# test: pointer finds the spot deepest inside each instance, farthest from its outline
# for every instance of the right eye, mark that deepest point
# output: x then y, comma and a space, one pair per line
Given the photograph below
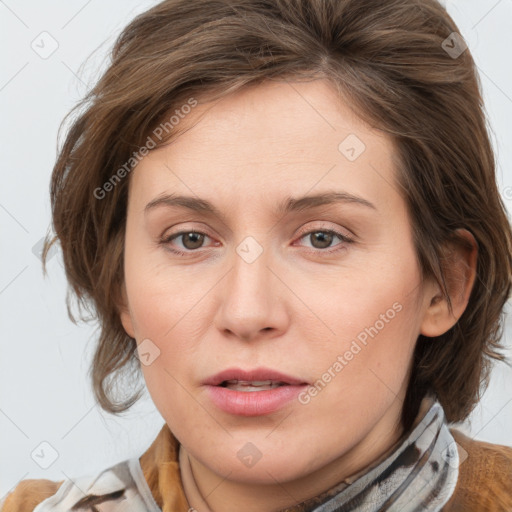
191, 240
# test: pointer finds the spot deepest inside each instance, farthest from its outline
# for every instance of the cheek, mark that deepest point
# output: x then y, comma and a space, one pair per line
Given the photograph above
166, 312
159, 295
374, 320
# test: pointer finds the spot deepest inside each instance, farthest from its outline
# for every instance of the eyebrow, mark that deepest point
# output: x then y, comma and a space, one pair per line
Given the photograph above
288, 205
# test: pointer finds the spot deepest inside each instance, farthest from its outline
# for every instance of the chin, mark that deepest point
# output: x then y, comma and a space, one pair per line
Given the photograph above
244, 462
263, 472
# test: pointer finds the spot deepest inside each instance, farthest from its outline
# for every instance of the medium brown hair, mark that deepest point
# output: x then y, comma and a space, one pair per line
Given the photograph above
388, 60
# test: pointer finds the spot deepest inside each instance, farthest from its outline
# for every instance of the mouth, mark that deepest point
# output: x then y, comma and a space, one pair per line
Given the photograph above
256, 379
252, 392
250, 386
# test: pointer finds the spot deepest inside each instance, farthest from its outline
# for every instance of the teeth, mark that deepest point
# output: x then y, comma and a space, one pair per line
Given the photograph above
257, 385
252, 383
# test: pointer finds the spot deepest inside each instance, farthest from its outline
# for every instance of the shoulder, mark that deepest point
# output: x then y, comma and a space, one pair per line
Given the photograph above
121, 483
485, 476
28, 494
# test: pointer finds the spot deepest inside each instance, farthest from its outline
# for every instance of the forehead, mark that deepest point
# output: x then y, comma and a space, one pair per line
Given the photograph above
268, 139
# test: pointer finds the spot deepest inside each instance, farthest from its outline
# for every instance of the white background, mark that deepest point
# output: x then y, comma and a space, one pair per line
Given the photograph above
45, 393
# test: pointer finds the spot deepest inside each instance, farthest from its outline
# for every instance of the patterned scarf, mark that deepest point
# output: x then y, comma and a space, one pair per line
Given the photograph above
420, 475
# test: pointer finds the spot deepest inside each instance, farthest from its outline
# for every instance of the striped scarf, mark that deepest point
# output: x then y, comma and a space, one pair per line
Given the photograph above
420, 475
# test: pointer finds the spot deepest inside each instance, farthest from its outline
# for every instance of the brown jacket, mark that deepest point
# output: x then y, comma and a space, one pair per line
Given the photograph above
484, 483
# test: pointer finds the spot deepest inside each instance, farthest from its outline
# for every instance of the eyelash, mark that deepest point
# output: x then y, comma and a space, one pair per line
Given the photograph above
344, 239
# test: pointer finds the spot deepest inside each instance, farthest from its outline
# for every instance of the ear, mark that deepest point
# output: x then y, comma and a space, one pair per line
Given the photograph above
124, 313
459, 268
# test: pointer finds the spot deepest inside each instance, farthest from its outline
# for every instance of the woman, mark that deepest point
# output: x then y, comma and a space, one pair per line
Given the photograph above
285, 213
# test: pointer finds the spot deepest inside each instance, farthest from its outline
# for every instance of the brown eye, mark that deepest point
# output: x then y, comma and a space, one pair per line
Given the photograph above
321, 239
192, 240
324, 240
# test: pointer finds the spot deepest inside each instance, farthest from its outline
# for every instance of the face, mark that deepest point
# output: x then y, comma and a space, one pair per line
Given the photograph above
292, 258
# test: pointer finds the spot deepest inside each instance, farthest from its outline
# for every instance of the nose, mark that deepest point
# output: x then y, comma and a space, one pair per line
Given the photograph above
252, 298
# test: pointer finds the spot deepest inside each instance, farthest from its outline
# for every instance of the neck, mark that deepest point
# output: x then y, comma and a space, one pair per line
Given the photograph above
208, 491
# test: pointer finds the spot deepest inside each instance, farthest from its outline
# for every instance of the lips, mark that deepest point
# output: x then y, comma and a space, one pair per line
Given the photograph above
252, 392
254, 376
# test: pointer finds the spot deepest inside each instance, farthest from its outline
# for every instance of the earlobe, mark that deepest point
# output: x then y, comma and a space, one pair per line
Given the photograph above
459, 268
127, 323
125, 315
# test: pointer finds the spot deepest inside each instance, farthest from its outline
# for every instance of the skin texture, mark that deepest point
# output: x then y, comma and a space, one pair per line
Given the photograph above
296, 308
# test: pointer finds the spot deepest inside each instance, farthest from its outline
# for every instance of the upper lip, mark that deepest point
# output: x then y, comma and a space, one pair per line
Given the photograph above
256, 374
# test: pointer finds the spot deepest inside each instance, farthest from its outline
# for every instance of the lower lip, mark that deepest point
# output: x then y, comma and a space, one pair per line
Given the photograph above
253, 403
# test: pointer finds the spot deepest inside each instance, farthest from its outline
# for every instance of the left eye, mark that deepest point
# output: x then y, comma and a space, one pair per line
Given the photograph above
324, 238
320, 239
